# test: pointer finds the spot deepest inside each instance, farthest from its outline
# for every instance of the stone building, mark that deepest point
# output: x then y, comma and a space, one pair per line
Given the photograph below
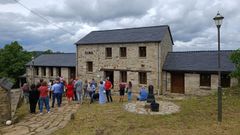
132, 54
5, 100
189, 72
50, 66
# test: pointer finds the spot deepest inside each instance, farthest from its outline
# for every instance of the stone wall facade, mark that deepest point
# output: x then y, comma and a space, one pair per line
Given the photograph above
192, 83
5, 113
132, 63
67, 73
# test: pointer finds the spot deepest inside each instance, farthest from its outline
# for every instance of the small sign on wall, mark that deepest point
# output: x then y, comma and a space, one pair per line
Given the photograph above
88, 52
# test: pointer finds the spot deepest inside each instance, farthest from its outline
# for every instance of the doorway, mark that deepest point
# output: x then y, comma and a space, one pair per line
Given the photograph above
110, 75
177, 83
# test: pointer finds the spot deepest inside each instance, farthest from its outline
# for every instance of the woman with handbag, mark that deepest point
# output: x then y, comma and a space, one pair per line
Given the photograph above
129, 91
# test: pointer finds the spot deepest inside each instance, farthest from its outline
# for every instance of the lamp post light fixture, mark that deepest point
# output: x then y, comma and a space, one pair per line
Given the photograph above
33, 70
218, 21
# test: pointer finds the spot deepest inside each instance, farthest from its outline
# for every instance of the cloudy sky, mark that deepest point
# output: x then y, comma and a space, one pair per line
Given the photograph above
60, 23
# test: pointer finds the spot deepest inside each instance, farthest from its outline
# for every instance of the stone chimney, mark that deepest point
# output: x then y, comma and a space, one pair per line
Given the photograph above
5, 100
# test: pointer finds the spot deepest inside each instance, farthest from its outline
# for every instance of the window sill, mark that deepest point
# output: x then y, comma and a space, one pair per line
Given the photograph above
142, 57
89, 72
123, 57
205, 87
143, 83
108, 57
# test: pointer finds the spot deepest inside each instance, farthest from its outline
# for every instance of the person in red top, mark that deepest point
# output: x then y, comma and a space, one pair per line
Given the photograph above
108, 86
43, 89
70, 92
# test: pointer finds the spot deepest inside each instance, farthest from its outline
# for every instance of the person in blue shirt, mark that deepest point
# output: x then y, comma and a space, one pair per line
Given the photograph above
142, 94
57, 90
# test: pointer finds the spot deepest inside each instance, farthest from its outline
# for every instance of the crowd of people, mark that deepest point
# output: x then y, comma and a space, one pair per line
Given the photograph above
41, 93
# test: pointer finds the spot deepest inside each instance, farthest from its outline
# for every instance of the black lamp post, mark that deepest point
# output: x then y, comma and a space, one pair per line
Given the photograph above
218, 21
33, 70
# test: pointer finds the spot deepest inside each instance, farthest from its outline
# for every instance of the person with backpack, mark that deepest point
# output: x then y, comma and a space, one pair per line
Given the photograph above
92, 92
25, 90
79, 90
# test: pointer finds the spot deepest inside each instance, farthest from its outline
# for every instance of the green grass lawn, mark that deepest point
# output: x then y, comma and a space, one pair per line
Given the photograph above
198, 116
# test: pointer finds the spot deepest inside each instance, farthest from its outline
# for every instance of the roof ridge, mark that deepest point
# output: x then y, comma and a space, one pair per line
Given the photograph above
202, 51
130, 28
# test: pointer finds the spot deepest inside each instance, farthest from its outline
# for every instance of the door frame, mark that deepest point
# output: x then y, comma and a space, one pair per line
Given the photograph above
178, 74
111, 76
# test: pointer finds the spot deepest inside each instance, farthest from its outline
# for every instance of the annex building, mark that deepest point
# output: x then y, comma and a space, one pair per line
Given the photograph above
51, 66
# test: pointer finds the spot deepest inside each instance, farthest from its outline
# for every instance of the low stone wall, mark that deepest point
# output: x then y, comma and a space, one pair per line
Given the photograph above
5, 106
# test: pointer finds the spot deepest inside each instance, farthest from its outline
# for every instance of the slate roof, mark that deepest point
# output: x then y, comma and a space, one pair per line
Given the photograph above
198, 61
55, 60
128, 35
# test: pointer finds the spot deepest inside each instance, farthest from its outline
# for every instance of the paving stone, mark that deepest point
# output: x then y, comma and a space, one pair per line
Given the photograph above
45, 123
165, 107
18, 130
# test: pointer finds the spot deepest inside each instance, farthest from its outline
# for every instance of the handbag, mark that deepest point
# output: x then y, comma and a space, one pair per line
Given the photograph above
126, 90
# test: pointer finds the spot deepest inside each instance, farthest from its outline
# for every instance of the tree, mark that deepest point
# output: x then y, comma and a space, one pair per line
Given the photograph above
13, 59
48, 51
235, 58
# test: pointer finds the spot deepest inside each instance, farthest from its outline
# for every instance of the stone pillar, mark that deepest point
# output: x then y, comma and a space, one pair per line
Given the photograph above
214, 81
47, 72
65, 74
116, 75
5, 100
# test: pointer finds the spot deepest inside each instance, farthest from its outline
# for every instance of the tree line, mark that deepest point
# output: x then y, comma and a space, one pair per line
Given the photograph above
13, 58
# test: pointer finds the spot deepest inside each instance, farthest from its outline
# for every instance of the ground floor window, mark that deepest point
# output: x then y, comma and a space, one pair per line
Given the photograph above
50, 71
36, 71
58, 71
225, 80
44, 71
205, 80
123, 76
142, 77
72, 73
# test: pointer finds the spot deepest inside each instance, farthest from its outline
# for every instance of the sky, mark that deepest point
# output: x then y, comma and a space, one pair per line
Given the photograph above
61, 23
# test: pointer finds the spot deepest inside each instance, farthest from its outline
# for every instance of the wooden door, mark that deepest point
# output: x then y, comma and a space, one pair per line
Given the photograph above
177, 83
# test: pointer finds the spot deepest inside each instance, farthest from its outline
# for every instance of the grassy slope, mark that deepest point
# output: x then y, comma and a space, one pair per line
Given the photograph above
198, 116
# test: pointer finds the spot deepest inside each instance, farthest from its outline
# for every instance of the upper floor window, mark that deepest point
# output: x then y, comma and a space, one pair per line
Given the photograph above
108, 52
89, 66
142, 52
142, 77
123, 52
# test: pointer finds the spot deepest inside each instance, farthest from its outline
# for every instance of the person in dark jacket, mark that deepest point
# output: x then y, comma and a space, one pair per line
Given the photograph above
33, 98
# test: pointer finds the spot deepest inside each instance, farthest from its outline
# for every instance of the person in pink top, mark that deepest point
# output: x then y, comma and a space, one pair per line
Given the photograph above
43, 89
